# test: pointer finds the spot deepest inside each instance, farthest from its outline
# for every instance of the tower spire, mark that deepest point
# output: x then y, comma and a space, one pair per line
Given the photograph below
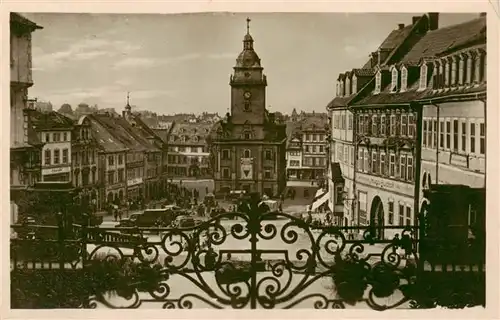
128, 100
248, 25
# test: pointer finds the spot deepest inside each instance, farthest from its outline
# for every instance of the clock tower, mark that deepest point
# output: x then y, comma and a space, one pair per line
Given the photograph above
248, 86
247, 148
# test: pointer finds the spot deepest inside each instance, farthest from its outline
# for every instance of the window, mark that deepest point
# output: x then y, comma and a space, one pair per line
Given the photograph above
65, 156
469, 70
339, 194
346, 154
434, 134
455, 135
47, 137
354, 84
308, 136
401, 214
411, 125
225, 173
382, 125
121, 175
226, 155
382, 164
477, 68
402, 168
57, 156
429, 133
392, 165
448, 134
335, 123
347, 87
111, 160
361, 125
461, 70
366, 164
47, 157
482, 138
247, 135
57, 137
378, 82
247, 153
447, 73
404, 125
440, 76
391, 212
404, 78
361, 163
394, 80
344, 122
374, 162
423, 77
367, 124
267, 173
408, 216
120, 159
307, 149
473, 138
350, 122
441, 134
464, 136
393, 125
321, 149
111, 177
453, 72
362, 205
409, 167
374, 125
351, 156
424, 134
268, 155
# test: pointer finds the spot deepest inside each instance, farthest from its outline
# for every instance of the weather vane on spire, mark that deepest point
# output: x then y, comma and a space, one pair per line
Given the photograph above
248, 25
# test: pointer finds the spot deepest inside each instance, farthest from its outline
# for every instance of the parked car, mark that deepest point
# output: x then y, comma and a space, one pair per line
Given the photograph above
150, 218
186, 222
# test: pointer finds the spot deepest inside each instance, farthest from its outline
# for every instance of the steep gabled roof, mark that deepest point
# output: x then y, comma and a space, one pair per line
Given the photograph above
200, 130
114, 127
439, 40
49, 120
104, 138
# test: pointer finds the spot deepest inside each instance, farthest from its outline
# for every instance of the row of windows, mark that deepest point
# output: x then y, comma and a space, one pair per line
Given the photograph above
133, 157
226, 154
345, 154
397, 166
387, 125
56, 158
188, 149
315, 161
347, 87
294, 163
57, 136
343, 122
458, 135
111, 160
135, 173
185, 138
180, 159
404, 211
314, 149
314, 137
116, 176
294, 153
85, 178
84, 157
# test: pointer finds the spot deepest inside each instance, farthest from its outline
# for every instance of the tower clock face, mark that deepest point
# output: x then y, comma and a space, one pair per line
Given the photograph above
247, 95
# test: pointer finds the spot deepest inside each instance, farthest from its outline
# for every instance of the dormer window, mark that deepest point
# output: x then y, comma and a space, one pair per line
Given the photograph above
404, 78
341, 88
195, 138
378, 82
440, 76
477, 68
453, 71
469, 69
337, 88
447, 73
423, 77
394, 80
347, 87
354, 84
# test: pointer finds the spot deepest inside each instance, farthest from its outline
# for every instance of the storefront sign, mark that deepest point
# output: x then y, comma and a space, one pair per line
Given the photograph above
246, 169
56, 170
134, 181
386, 184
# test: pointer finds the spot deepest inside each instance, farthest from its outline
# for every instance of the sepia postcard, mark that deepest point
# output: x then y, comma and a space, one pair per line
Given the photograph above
338, 159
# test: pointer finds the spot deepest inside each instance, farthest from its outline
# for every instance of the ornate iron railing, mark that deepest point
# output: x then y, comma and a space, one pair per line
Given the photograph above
235, 260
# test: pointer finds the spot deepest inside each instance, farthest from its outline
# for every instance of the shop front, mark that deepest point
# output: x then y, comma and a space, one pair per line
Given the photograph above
384, 202
61, 174
135, 189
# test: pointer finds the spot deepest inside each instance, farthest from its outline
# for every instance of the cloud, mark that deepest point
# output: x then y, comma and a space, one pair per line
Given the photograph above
134, 62
83, 50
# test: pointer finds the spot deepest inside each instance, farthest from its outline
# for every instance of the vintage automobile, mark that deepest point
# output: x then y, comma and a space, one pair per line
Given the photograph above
185, 222
150, 218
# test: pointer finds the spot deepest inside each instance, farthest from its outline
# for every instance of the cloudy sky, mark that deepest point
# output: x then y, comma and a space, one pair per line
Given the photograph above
182, 63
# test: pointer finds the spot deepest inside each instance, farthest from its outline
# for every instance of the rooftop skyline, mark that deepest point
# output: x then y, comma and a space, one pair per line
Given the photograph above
182, 62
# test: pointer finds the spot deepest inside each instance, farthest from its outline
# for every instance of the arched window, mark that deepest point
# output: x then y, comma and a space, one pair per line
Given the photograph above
423, 77
247, 153
404, 78
394, 81
424, 180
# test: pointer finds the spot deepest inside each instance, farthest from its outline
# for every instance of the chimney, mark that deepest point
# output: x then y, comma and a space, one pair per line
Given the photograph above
433, 20
415, 19
401, 26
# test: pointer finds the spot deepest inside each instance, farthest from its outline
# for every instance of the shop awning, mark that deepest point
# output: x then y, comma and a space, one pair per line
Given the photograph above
337, 173
321, 200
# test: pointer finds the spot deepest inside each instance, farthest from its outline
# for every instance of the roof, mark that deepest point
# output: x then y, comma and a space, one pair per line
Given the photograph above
364, 72
115, 127
189, 131
318, 122
104, 138
439, 40
19, 19
162, 134
395, 38
49, 120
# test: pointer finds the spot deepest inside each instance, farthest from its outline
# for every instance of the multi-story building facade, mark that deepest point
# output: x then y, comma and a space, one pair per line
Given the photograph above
248, 146
411, 90
112, 166
84, 162
189, 155
25, 145
54, 130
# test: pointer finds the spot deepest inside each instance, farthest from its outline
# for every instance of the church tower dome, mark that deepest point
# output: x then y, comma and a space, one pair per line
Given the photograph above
248, 58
